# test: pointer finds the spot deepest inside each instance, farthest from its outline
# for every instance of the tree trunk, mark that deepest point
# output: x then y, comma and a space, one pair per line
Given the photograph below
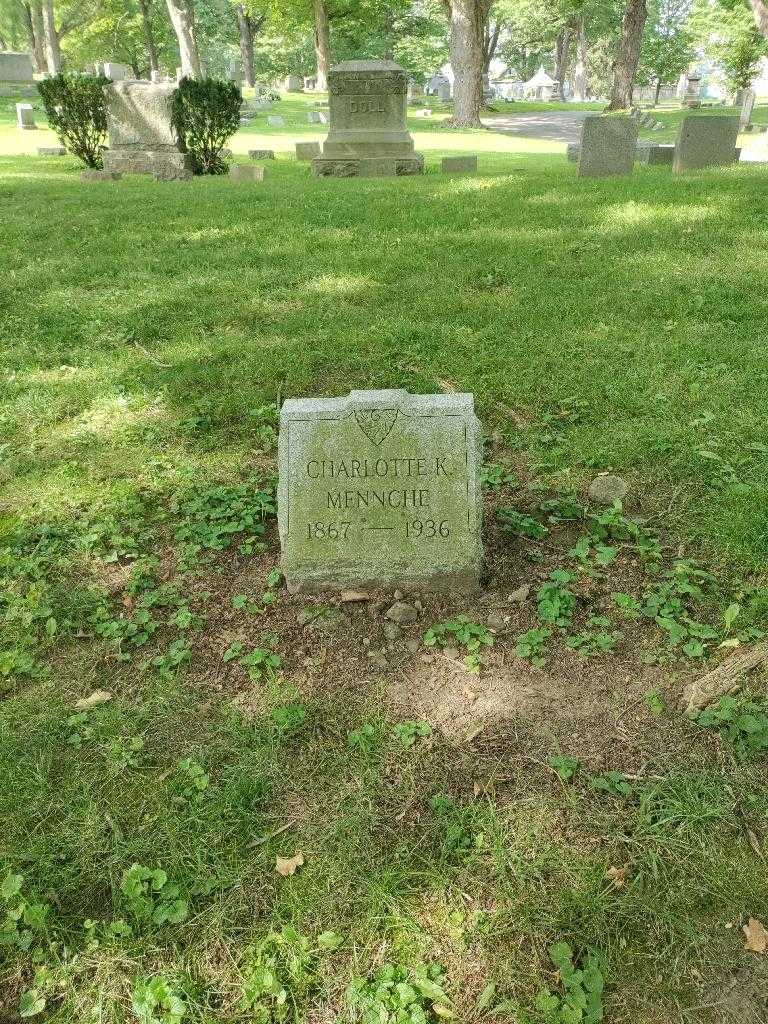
657, 93
322, 44
580, 69
467, 22
760, 11
149, 37
182, 17
628, 55
490, 43
52, 49
33, 26
562, 53
245, 27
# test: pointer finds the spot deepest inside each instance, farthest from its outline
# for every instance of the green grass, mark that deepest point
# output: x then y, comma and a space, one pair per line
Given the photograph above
147, 329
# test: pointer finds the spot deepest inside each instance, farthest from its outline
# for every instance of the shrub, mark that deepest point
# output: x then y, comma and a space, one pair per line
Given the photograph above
76, 108
205, 114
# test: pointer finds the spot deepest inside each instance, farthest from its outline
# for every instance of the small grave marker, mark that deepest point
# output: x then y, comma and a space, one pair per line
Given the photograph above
380, 489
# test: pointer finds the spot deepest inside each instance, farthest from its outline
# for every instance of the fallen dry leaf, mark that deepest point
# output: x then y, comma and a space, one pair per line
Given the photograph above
617, 876
756, 936
287, 866
96, 698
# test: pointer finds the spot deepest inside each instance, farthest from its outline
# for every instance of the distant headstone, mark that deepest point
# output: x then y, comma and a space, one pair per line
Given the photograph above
705, 141
607, 146
307, 150
459, 164
235, 71
380, 489
25, 116
691, 95
117, 72
313, 117
323, 117
261, 154
246, 172
156, 76
310, 83
16, 67
142, 138
92, 174
367, 122
276, 121
444, 91
51, 151
424, 112
747, 106
294, 83
654, 153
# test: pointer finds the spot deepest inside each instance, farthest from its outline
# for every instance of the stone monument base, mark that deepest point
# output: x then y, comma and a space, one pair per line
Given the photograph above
367, 167
165, 165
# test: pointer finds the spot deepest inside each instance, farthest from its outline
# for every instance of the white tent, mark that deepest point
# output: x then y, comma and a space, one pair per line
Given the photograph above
541, 85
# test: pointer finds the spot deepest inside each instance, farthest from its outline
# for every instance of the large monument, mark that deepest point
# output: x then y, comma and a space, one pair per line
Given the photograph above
142, 139
368, 135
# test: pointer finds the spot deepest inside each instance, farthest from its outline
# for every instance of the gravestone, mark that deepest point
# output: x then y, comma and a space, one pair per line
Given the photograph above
705, 141
367, 122
276, 121
313, 117
25, 116
51, 151
607, 146
117, 72
654, 153
380, 489
458, 164
444, 91
307, 150
261, 154
747, 106
691, 97
93, 174
424, 112
294, 83
16, 67
142, 139
246, 172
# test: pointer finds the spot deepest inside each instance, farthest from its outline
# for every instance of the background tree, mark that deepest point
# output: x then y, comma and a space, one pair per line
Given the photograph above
250, 22
668, 45
726, 31
182, 15
627, 55
467, 20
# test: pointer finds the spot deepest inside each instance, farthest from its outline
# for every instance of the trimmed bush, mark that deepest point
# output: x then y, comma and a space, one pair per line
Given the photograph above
76, 108
205, 114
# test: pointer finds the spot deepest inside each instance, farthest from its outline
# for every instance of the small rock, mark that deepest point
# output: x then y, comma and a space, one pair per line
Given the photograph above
392, 631
398, 595
96, 698
520, 595
412, 646
402, 613
350, 596
366, 641
451, 652
607, 488
378, 660
305, 615
496, 620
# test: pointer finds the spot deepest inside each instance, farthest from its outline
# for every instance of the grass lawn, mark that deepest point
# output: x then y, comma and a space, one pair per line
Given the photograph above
455, 828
